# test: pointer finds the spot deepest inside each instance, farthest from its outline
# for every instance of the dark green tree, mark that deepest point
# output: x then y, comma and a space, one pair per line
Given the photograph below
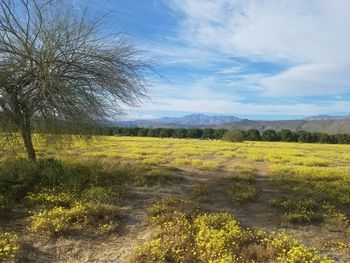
166, 133
194, 133
325, 138
253, 135
287, 136
152, 133
180, 133
219, 133
304, 136
143, 132
208, 134
234, 136
342, 138
269, 136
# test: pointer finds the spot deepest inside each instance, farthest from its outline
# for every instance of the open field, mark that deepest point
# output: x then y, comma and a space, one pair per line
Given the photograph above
133, 199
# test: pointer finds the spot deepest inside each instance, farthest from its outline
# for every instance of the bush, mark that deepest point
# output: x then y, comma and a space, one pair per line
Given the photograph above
162, 210
216, 237
201, 193
102, 215
299, 211
54, 221
51, 198
219, 238
61, 220
241, 192
9, 247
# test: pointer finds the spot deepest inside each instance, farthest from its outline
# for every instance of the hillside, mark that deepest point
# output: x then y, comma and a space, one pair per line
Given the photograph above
327, 117
328, 126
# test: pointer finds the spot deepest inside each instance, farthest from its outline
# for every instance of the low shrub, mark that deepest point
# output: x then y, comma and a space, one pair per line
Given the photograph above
50, 198
337, 244
10, 247
216, 237
334, 220
219, 238
161, 210
102, 215
100, 195
241, 192
201, 193
299, 211
241, 189
60, 220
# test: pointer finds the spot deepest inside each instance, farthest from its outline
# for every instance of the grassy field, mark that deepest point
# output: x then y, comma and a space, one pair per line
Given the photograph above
133, 199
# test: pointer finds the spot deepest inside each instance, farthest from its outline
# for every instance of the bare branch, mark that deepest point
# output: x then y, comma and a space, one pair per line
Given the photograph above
62, 68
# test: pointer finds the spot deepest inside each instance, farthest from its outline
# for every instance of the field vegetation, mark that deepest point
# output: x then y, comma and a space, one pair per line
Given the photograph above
196, 200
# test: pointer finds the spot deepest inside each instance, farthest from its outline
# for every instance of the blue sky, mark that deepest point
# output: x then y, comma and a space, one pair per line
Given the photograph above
257, 59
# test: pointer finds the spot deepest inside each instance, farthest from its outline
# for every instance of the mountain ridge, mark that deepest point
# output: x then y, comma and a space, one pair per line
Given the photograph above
319, 123
190, 120
327, 117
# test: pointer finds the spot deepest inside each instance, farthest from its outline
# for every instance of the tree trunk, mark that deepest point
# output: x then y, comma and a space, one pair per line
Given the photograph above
22, 119
26, 133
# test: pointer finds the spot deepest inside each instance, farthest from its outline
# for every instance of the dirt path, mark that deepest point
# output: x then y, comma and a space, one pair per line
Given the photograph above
258, 213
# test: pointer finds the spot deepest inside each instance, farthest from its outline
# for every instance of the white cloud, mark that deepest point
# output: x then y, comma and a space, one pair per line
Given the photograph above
310, 35
204, 96
309, 80
220, 106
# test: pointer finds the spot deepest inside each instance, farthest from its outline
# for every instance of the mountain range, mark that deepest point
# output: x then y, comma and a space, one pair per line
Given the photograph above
319, 123
192, 120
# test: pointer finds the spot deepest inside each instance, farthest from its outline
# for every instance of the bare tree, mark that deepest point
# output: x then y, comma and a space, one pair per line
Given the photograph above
56, 66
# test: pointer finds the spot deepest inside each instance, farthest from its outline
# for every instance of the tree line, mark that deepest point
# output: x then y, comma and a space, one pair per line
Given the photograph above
269, 135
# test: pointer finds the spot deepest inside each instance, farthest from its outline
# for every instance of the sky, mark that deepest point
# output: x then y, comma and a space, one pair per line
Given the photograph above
256, 59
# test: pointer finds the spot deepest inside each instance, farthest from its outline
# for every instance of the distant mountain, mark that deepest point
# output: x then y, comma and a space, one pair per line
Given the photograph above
327, 117
321, 123
192, 120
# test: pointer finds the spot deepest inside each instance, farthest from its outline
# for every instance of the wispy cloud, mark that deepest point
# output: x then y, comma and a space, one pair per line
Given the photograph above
221, 106
309, 35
